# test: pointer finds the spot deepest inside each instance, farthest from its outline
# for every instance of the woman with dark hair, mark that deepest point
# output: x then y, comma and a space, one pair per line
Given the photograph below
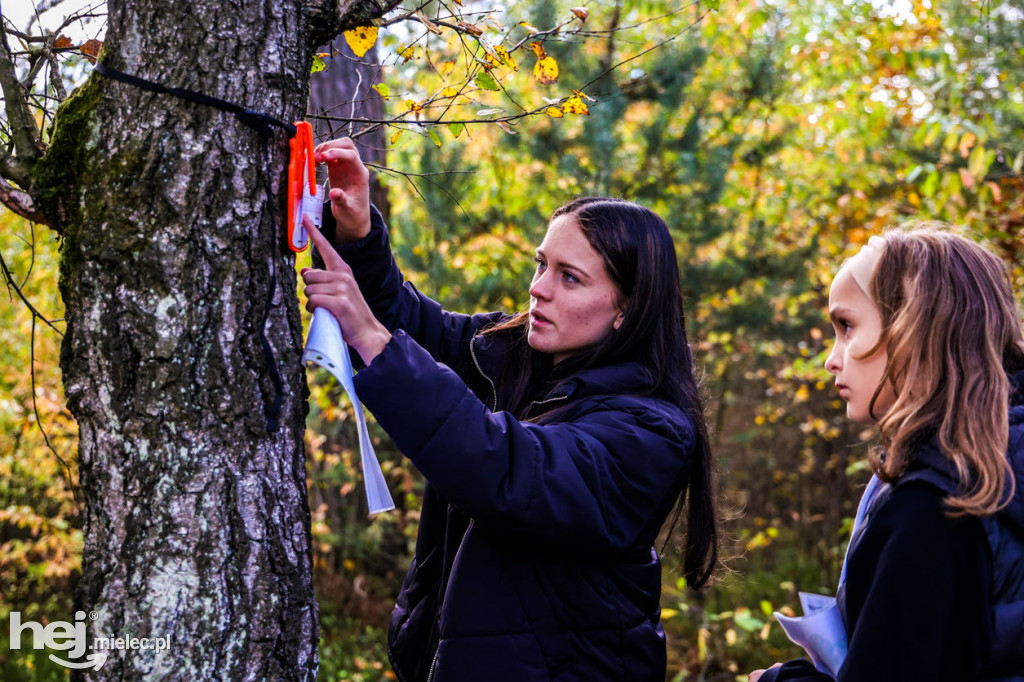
555, 444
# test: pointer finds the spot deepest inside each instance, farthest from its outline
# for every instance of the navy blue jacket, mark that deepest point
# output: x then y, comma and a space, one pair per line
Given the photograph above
534, 559
931, 597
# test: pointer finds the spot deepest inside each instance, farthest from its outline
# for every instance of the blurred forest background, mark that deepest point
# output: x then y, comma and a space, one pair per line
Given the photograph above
774, 136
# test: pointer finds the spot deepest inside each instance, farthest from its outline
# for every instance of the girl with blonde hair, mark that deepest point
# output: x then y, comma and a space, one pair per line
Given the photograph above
929, 348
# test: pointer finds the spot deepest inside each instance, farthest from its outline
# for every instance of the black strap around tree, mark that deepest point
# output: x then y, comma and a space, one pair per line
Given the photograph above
263, 123
259, 121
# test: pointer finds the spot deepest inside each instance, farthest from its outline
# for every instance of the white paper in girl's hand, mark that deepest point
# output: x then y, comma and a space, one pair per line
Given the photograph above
325, 346
820, 631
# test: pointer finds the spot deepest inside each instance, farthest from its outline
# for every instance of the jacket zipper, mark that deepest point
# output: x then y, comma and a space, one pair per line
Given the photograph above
494, 388
549, 400
433, 663
494, 408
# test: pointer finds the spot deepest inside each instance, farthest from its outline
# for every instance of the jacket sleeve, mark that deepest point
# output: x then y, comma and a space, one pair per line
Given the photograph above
398, 304
917, 596
592, 485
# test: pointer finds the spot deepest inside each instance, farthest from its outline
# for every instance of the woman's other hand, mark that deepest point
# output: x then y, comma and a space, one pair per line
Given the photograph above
336, 290
350, 188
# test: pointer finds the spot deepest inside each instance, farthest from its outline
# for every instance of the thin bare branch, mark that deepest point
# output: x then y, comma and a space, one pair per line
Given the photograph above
24, 132
656, 46
385, 169
11, 284
32, 250
426, 176
18, 200
55, 80
24, 37
69, 480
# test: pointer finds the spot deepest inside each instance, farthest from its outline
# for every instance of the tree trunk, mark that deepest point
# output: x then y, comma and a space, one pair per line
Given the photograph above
197, 525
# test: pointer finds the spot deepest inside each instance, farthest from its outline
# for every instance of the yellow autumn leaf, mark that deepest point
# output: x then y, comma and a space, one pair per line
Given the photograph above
506, 57
446, 68
450, 92
529, 27
581, 94
398, 134
546, 71
575, 105
538, 49
966, 142
361, 39
553, 112
412, 105
407, 53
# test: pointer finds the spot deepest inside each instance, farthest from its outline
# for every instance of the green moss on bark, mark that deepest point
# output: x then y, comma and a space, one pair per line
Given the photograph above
55, 175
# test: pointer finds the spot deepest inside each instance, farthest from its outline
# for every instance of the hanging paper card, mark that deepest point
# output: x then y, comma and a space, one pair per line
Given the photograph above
820, 631
325, 346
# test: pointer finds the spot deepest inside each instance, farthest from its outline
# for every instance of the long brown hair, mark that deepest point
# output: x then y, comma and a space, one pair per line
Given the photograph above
638, 253
952, 332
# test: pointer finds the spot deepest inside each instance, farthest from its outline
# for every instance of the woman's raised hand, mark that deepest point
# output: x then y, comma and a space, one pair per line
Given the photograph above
336, 290
350, 189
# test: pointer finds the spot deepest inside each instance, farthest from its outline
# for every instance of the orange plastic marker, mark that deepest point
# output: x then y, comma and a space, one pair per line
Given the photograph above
303, 193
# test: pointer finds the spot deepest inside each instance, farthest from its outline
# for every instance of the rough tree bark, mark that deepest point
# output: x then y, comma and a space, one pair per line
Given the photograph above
196, 517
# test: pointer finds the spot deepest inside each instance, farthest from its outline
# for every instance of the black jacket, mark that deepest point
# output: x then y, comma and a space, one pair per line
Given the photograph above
534, 559
930, 597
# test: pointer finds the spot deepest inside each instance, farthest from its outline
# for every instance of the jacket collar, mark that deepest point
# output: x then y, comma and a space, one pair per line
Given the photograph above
488, 351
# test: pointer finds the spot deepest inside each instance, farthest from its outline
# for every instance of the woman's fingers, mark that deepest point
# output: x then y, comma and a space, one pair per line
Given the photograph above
339, 196
315, 276
337, 155
321, 301
343, 163
339, 143
332, 261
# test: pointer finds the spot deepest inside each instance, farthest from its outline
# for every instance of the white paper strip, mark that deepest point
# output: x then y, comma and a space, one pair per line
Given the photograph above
326, 347
820, 631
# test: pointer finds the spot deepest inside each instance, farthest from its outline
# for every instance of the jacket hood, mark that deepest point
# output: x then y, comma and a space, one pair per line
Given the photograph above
1014, 511
932, 465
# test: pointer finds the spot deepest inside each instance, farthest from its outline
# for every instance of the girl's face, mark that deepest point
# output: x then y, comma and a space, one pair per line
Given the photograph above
574, 304
857, 325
